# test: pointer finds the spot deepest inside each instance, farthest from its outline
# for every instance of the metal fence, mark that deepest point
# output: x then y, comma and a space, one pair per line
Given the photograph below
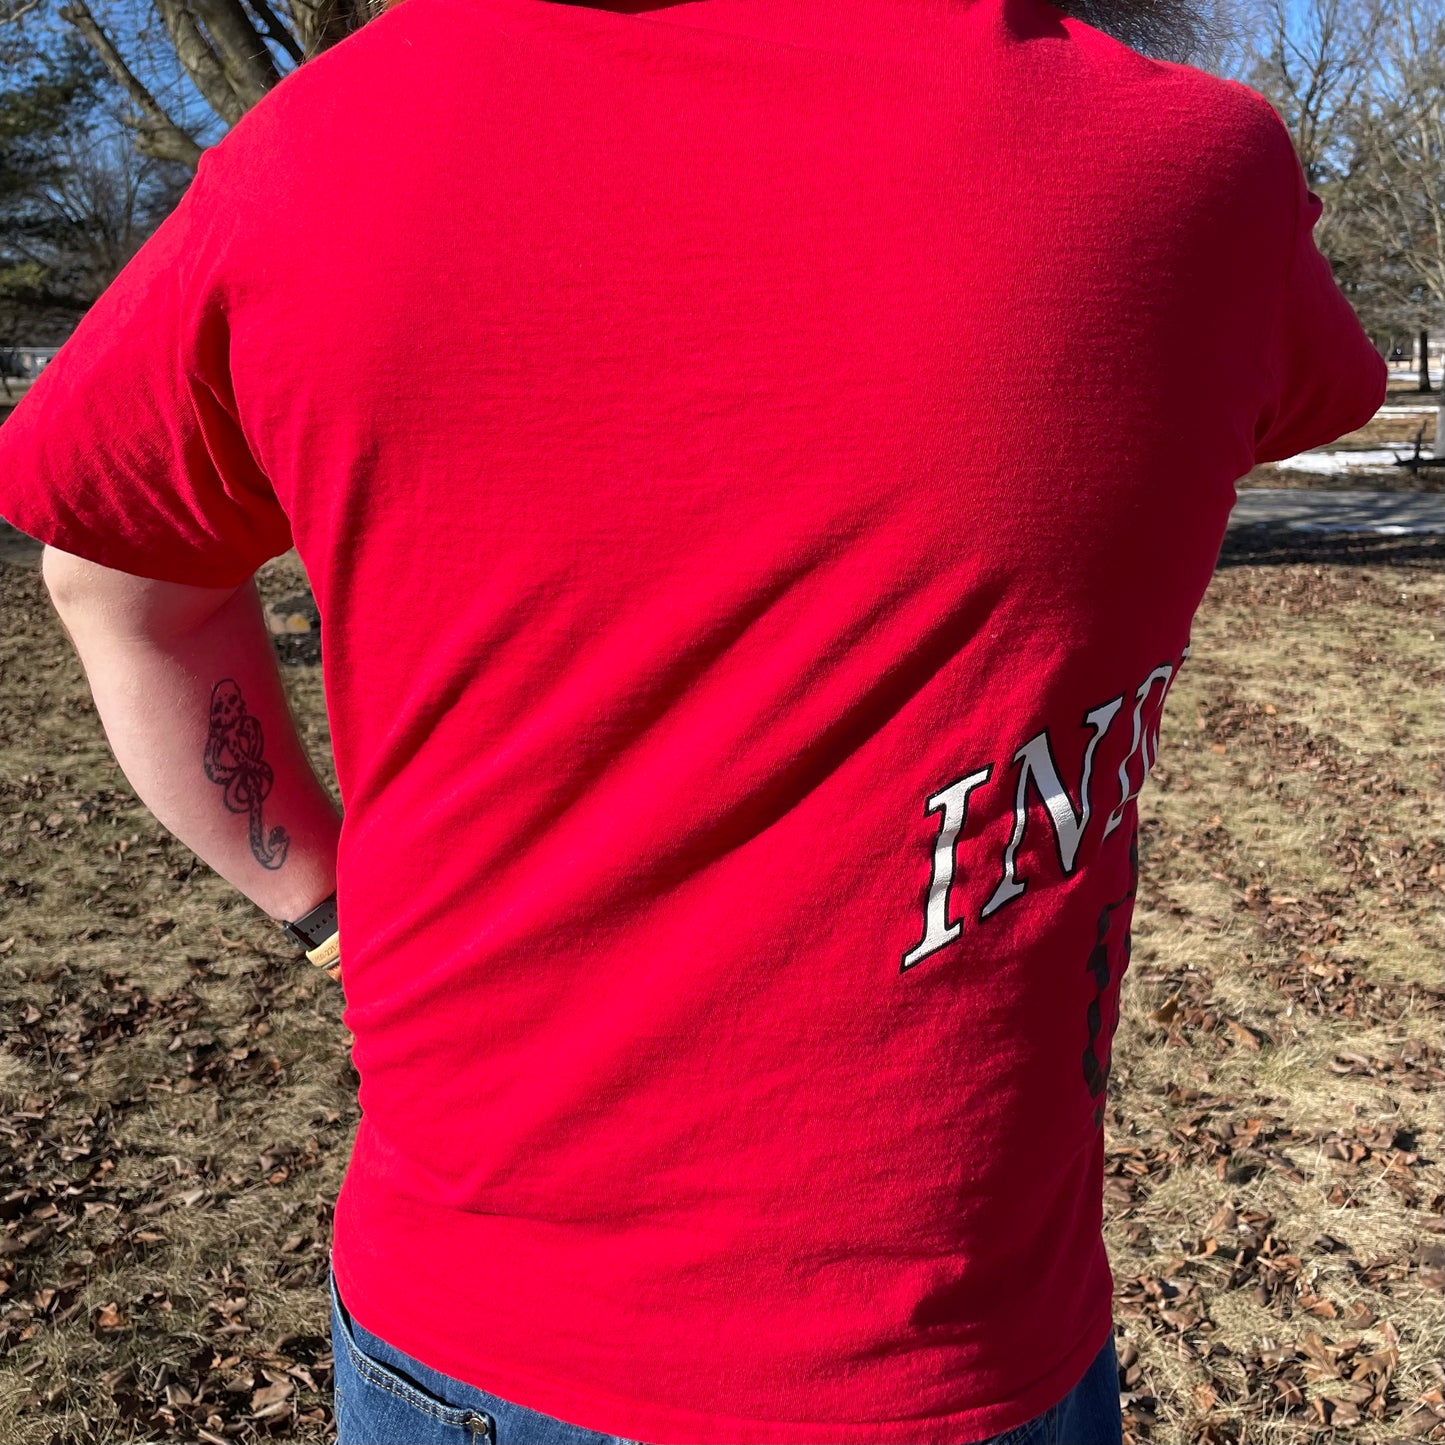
25, 362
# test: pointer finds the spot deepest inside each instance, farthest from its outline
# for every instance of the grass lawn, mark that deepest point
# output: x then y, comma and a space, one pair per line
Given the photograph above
177, 1099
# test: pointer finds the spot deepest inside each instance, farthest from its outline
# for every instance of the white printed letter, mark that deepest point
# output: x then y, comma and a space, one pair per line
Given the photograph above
1140, 742
952, 802
1036, 761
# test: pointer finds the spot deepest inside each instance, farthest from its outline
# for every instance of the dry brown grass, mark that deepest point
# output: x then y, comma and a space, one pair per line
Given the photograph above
1291, 867
176, 1096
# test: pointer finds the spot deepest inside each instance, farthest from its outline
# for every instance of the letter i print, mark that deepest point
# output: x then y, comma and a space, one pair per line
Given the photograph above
952, 802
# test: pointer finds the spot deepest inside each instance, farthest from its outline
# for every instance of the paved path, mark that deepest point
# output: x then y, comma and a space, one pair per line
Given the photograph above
1387, 514
16, 548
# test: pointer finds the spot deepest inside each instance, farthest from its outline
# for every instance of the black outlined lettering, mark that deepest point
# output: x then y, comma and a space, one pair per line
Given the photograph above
1036, 761
952, 802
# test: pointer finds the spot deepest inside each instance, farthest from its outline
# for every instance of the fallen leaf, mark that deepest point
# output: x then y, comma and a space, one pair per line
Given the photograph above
1290, 1394
270, 1394
1167, 1012
1225, 1221
1242, 1035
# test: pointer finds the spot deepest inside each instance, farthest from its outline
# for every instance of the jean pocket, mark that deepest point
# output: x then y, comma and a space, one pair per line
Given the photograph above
399, 1391
1037, 1431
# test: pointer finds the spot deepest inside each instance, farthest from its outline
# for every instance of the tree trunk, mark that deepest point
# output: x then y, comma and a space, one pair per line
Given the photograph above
1440, 426
202, 64
241, 50
320, 24
157, 134
1425, 362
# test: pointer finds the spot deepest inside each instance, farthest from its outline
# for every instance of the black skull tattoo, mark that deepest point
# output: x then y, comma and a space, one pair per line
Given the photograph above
233, 759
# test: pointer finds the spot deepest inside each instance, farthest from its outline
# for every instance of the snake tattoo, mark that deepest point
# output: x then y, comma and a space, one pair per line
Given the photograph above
234, 745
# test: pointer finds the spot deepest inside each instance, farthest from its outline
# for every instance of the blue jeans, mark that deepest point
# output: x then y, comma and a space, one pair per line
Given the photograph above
385, 1397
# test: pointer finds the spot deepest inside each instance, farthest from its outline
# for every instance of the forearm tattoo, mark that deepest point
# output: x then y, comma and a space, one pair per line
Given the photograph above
233, 759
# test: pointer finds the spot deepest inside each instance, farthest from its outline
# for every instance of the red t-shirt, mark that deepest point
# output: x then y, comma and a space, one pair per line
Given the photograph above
757, 461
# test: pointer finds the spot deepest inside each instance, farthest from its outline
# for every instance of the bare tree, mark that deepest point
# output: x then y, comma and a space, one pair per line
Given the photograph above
43, 97
1313, 59
231, 51
1390, 202
1358, 84
105, 201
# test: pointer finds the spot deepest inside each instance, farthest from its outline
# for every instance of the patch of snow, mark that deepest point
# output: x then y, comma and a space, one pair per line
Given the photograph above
1328, 464
1381, 529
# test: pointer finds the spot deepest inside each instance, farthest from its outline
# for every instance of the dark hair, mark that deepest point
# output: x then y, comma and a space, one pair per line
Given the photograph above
1181, 30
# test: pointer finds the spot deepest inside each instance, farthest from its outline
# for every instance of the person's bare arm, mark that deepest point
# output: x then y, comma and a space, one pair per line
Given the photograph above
188, 691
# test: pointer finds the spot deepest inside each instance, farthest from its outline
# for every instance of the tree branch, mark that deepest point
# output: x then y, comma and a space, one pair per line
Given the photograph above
274, 28
243, 54
12, 10
201, 63
156, 133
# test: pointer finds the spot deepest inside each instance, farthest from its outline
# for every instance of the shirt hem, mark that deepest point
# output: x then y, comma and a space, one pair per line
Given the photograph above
665, 1425
182, 566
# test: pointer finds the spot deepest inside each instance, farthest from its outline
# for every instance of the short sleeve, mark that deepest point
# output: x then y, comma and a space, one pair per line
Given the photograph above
1325, 376
128, 449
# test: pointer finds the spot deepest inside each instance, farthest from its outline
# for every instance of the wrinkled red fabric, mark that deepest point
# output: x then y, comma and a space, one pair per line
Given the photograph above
757, 462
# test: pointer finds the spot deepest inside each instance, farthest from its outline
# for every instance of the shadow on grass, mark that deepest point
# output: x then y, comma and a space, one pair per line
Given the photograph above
1266, 544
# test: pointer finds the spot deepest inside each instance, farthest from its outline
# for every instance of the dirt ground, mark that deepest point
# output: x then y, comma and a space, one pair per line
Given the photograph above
177, 1099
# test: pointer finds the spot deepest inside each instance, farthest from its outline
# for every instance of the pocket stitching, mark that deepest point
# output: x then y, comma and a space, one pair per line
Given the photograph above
376, 1373
385, 1378
379, 1375
1028, 1432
